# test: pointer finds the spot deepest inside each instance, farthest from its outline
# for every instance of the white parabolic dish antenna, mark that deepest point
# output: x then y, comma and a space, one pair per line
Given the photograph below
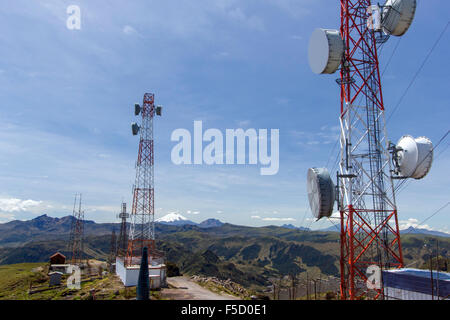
320, 192
325, 51
414, 157
398, 16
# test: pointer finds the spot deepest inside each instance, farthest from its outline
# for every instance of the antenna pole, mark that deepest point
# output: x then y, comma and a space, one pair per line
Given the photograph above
77, 232
369, 225
123, 237
142, 226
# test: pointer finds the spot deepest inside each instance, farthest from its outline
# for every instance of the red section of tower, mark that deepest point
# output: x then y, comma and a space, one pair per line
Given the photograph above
142, 230
369, 225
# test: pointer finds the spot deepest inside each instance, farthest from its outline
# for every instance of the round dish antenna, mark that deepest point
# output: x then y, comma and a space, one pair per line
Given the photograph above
325, 52
135, 128
158, 110
413, 157
137, 109
123, 215
398, 16
320, 192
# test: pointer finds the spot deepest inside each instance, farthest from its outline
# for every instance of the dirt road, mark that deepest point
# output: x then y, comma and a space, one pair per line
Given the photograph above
185, 289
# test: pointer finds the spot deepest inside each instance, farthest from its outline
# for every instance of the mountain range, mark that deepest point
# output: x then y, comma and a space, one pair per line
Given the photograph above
410, 230
179, 220
250, 256
44, 227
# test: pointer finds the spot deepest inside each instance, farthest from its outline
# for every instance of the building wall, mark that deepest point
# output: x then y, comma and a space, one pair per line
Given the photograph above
400, 294
415, 284
130, 276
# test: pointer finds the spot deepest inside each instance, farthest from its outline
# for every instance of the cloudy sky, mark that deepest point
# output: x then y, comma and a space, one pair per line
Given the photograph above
67, 96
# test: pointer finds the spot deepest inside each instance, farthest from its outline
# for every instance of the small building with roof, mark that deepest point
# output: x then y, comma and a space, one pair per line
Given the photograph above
58, 258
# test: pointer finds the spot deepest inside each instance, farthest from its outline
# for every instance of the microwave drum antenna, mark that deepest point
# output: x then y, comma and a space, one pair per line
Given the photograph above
398, 16
320, 192
325, 52
414, 157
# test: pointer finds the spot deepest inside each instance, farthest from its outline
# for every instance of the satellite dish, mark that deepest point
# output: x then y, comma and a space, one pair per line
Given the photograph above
137, 109
325, 52
320, 192
135, 128
158, 110
122, 215
413, 157
398, 16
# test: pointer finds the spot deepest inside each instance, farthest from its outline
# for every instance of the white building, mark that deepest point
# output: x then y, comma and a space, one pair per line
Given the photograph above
416, 284
130, 274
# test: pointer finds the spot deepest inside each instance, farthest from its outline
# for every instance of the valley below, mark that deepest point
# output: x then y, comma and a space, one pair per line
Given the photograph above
256, 258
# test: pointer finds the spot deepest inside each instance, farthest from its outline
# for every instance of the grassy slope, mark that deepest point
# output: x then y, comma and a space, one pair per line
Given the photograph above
15, 283
249, 256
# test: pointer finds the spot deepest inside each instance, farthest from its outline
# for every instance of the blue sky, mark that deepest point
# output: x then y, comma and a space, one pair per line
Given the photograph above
67, 96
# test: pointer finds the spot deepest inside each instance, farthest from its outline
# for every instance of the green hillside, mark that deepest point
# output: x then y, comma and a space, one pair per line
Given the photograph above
248, 256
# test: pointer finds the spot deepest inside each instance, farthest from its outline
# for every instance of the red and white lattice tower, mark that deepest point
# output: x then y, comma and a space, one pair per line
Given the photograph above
369, 225
142, 228
370, 237
77, 233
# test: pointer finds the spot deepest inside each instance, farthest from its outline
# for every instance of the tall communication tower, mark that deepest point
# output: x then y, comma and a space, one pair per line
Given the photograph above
142, 227
123, 237
77, 232
369, 163
112, 249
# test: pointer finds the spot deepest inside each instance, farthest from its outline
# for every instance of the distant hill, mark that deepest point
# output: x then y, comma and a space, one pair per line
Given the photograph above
412, 230
332, 229
248, 255
210, 223
44, 228
291, 226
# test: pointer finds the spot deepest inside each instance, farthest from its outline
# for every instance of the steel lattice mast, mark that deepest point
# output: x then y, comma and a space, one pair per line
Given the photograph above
112, 248
123, 237
77, 232
369, 225
142, 228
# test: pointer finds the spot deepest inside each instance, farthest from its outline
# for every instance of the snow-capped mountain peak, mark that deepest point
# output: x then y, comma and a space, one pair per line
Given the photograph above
172, 217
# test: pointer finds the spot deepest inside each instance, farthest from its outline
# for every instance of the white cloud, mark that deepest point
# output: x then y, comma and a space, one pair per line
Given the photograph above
326, 135
102, 208
129, 30
278, 219
17, 205
297, 9
412, 222
273, 219
252, 22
